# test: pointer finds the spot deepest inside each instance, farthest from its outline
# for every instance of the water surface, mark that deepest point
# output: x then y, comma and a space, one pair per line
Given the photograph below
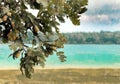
78, 56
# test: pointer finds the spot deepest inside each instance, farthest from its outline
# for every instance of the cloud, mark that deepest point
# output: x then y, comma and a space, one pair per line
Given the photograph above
103, 17
99, 3
88, 18
102, 12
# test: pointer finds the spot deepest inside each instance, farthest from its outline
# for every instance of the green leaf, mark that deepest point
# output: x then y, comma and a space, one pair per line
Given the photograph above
52, 37
23, 5
4, 40
83, 2
34, 42
14, 46
60, 18
60, 53
37, 5
62, 58
75, 21
84, 9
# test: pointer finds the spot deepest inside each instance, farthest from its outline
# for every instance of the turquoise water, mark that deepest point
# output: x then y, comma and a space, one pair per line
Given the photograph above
89, 56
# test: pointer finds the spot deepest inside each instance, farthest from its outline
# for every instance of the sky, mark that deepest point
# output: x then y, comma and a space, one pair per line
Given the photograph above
102, 15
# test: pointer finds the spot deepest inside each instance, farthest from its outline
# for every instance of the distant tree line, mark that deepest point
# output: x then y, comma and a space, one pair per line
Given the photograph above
103, 37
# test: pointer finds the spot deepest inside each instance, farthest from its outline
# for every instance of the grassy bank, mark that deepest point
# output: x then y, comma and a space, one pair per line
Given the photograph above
62, 76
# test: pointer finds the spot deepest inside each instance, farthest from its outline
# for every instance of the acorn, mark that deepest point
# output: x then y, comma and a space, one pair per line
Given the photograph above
54, 48
5, 17
36, 29
13, 24
17, 54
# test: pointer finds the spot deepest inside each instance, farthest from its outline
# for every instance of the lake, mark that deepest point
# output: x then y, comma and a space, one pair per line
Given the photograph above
78, 56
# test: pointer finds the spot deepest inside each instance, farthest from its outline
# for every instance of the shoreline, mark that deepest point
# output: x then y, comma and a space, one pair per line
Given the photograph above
116, 66
59, 68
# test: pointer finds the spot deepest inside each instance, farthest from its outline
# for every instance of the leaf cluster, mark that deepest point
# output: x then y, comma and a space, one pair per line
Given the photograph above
16, 22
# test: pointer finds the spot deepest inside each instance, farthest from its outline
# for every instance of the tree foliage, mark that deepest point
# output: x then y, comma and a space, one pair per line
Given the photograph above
16, 22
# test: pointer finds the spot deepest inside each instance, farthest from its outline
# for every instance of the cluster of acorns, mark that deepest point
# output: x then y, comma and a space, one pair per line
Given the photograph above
7, 31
